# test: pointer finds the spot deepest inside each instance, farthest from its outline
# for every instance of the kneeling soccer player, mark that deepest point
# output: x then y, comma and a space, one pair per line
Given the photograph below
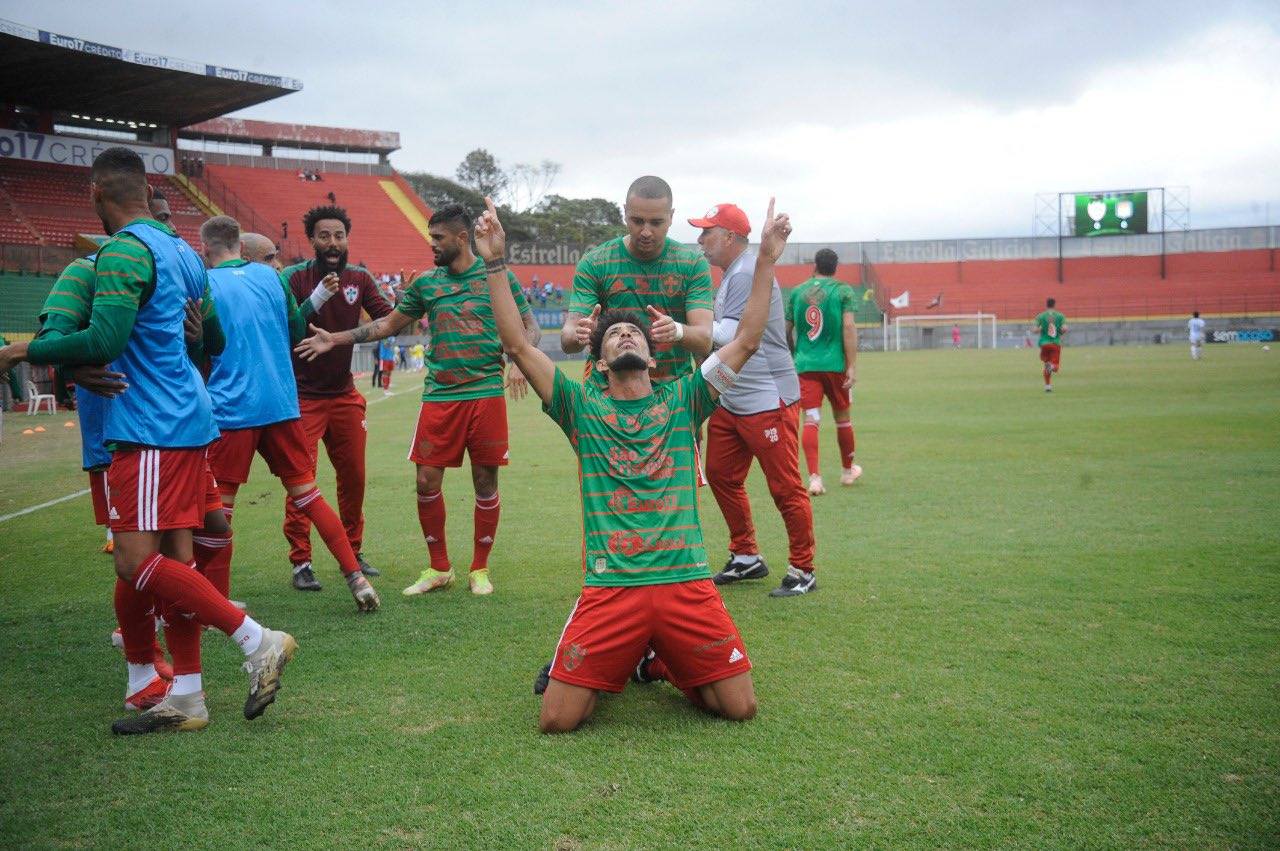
647, 580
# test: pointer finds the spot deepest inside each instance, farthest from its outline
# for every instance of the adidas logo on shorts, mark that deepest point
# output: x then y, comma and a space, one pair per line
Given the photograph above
736, 655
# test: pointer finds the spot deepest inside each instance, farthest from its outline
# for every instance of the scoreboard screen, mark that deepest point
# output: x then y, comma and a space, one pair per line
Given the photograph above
1111, 213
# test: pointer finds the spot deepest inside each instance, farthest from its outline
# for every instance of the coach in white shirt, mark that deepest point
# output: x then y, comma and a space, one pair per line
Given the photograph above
757, 418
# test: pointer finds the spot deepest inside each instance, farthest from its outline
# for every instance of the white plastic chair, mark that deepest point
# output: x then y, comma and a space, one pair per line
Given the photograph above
35, 399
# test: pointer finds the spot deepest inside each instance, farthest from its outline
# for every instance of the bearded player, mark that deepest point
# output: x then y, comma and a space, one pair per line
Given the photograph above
645, 271
647, 581
157, 430
331, 407
251, 387
1052, 326
824, 336
463, 409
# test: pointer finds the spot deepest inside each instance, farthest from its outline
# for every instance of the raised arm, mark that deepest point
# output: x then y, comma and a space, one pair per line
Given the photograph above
491, 245
773, 238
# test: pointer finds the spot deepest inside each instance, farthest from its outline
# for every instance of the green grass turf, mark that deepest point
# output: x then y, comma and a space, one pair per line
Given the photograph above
1043, 621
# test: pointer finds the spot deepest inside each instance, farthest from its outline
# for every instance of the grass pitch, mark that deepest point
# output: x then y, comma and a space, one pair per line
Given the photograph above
1043, 621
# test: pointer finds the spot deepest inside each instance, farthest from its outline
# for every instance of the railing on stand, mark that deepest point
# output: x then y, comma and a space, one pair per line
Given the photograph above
225, 198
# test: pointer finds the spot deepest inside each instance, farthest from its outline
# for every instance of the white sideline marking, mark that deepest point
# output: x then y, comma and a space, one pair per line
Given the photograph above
69, 496
43, 505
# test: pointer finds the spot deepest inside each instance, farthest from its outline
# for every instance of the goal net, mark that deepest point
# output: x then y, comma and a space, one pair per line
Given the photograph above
945, 330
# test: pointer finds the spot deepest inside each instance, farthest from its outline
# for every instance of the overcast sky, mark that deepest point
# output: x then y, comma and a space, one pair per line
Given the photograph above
868, 121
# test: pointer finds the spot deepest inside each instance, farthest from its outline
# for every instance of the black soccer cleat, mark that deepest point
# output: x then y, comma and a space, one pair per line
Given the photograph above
795, 583
304, 579
736, 571
366, 568
543, 679
641, 673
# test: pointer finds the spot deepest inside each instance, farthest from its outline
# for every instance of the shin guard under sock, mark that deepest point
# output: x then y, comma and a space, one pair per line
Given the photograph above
486, 526
330, 527
431, 517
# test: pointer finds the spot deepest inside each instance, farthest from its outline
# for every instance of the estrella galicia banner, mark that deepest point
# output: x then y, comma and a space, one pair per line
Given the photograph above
70, 150
1111, 213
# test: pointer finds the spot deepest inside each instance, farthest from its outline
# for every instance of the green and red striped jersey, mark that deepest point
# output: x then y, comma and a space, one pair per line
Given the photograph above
676, 281
816, 308
465, 359
638, 466
67, 308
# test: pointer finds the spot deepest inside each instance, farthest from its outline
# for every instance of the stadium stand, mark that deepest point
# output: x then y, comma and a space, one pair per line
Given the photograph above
384, 238
48, 204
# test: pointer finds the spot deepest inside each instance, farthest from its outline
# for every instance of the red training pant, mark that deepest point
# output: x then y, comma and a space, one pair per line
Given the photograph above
772, 438
340, 422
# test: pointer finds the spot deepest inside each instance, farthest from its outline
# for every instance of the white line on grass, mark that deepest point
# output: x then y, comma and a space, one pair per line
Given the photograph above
43, 505
35, 508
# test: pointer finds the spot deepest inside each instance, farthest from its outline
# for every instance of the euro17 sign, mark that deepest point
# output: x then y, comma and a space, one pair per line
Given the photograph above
1111, 213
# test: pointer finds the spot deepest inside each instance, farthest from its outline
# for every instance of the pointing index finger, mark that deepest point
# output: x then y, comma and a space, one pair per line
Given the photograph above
768, 217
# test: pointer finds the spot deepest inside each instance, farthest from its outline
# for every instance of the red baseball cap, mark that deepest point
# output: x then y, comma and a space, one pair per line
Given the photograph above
727, 216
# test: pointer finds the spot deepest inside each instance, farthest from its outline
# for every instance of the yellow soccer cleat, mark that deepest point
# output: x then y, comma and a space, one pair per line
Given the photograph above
479, 581
430, 580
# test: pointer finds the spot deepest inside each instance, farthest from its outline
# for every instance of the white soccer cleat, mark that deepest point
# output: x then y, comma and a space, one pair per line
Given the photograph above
816, 488
366, 598
430, 580
851, 475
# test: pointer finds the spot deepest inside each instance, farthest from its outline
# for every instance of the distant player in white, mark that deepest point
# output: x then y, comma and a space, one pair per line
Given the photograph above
1195, 328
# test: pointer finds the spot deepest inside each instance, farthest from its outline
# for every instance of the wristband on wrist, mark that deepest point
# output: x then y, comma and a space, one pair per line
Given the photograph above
492, 266
319, 296
679, 331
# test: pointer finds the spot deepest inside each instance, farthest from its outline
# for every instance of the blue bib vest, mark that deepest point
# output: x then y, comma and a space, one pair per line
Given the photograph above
166, 405
92, 410
252, 380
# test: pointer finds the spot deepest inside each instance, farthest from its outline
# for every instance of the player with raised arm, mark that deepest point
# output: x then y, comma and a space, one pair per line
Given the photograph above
463, 409
823, 334
158, 431
251, 386
646, 578
332, 409
1052, 326
757, 417
642, 270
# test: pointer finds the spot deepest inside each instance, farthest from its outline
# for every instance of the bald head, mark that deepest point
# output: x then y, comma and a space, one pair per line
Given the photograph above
258, 249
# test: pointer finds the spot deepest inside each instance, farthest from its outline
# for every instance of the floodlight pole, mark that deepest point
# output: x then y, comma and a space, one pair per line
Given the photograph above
1163, 225
1059, 237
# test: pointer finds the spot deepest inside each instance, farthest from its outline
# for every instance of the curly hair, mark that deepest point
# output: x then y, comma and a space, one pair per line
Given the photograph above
609, 318
329, 211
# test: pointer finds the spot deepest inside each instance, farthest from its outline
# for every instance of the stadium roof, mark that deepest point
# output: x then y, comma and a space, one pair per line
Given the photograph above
60, 73
294, 135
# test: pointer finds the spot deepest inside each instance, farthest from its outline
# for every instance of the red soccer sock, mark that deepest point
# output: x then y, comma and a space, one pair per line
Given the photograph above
137, 625
213, 558
486, 522
431, 518
182, 636
809, 438
330, 527
844, 434
174, 584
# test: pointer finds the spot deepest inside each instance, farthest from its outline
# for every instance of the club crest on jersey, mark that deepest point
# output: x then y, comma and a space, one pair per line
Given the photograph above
573, 656
351, 292
671, 286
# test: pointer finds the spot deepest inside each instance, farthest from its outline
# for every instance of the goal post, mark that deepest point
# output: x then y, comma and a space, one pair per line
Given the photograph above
979, 321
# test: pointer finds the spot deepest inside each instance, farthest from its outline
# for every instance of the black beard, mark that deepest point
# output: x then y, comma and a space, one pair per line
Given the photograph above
628, 362
322, 260
106, 228
444, 258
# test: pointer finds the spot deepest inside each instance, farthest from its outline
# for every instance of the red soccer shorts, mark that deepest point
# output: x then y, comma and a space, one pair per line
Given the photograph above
212, 496
1051, 353
685, 622
446, 429
815, 385
386, 365
151, 490
282, 445
98, 493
